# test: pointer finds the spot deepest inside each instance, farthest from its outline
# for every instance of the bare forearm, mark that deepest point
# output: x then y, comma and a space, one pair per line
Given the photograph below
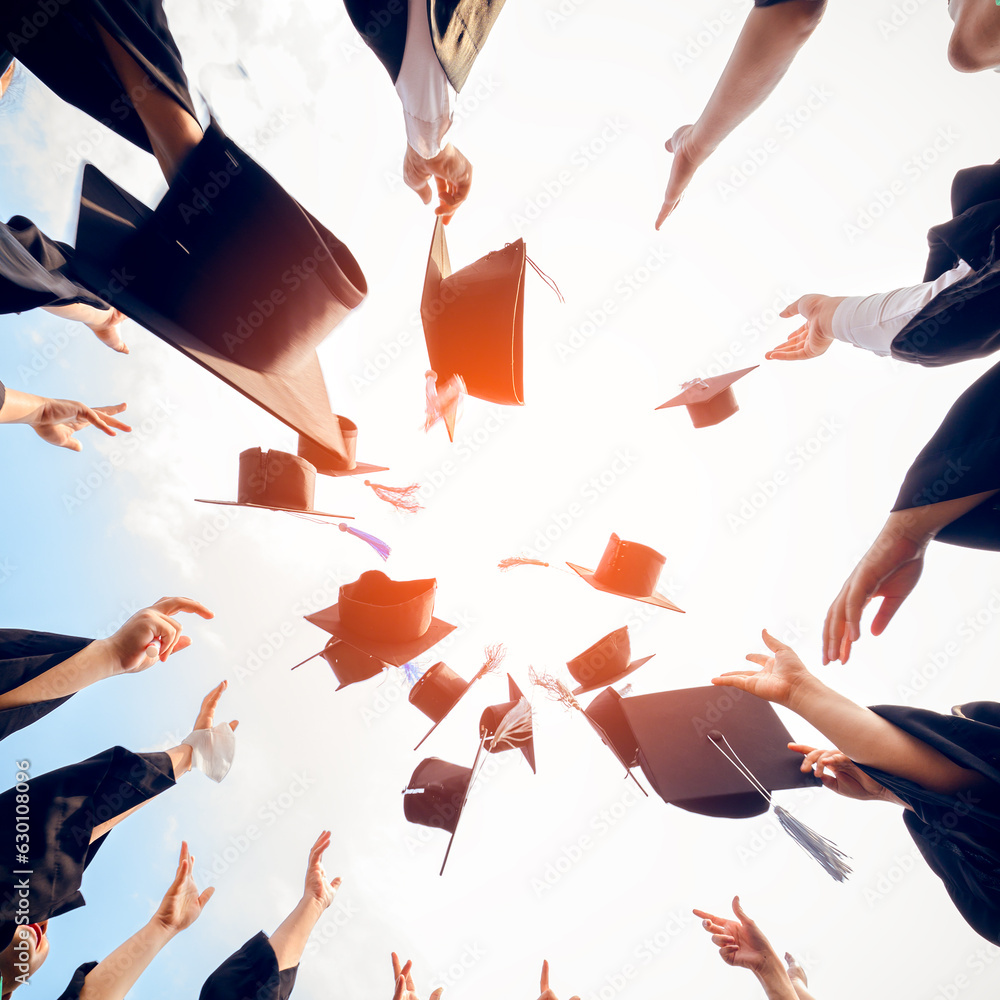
769, 41
774, 981
20, 407
93, 663
869, 739
118, 973
800, 990
81, 313
289, 940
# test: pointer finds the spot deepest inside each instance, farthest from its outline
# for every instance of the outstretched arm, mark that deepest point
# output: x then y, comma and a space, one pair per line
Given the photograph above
770, 40
289, 940
57, 420
857, 731
181, 907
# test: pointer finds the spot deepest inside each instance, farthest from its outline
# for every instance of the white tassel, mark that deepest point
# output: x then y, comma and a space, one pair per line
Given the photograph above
827, 853
514, 729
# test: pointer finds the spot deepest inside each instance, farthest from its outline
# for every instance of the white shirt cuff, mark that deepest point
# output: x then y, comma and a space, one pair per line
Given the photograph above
427, 96
871, 322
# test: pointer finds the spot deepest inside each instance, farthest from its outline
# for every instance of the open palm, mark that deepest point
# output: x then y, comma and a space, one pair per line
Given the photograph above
740, 941
779, 676
182, 904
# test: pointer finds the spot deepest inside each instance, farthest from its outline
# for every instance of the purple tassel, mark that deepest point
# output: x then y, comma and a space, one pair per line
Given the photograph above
412, 673
376, 543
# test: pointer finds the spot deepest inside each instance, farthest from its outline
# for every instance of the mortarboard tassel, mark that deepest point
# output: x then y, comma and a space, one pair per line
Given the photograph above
376, 543
827, 853
514, 729
494, 657
443, 402
401, 497
830, 857
548, 281
512, 561
411, 673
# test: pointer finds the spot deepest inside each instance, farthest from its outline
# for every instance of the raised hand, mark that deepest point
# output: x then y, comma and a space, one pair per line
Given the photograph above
57, 420
812, 338
206, 715
686, 161
741, 943
890, 569
152, 634
840, 774
779, 678
316, 886
405, 990
182, 905
547, 993
108, 331
451, 171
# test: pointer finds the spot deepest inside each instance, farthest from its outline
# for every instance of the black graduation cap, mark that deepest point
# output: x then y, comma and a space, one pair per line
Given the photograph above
692, 742
233, 272
436, 796
606, 715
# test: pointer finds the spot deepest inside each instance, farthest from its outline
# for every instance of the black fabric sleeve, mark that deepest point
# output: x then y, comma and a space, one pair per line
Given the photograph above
25, 655
3, 394
250, 974
962, 458
34, 270
72, 992
382, 24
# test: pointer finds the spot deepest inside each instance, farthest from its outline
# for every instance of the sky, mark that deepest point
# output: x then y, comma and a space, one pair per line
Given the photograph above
829, 187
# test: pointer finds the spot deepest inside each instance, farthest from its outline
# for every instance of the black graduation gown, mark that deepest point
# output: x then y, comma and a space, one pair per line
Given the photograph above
33, 270
23, 656
459, 29
58, 41
961, 323
248, 974
64, 806
958, 835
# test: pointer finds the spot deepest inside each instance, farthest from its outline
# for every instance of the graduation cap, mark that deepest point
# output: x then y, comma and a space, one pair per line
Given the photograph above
719, 751
233, 272
392, 620
709, 401
509, 726
275, 480
436, 796
604, 663
348, 664
606, 715
439, 689
332, 463
628, 569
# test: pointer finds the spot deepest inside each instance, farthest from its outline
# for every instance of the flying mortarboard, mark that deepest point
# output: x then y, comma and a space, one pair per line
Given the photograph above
332, 463
440, 688
348, 664
719, 751
605, 714
388, 619
604, 663
275, 480
436, 796
628, 569
709, 401
231, 271
509, 726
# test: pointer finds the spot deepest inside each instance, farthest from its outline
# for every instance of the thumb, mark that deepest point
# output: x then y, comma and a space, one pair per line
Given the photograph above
72, 444
424, 192
436, 995
206, 896
739, 911
792, 309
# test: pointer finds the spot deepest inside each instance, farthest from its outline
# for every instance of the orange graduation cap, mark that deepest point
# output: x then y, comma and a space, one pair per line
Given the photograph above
332, 463
474, 320
275, 480
230, 270
388, 619
509, 726
628, 569
709, 401
604, 663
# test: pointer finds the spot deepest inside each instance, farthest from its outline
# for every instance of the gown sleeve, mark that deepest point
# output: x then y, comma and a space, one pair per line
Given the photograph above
66, 53
961, 322
33, 270
73, 990
250, 974
957, 835
23, 656
962, 458
64, 807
